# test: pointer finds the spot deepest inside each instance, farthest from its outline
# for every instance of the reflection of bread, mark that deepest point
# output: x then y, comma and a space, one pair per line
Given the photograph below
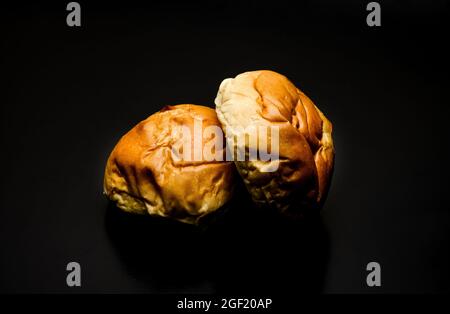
142, 177
306, 152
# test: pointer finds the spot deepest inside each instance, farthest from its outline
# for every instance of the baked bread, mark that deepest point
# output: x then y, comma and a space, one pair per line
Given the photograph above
142, 176
306, 153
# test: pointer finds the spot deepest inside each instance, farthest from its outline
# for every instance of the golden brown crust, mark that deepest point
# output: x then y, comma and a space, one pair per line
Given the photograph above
306, 152
142, 177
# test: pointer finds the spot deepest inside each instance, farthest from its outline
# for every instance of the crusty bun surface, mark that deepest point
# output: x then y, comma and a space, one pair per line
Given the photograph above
306, 152
142, 176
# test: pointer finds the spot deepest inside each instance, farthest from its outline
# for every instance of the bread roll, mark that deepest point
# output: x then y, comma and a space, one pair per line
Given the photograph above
142, 176
306, 152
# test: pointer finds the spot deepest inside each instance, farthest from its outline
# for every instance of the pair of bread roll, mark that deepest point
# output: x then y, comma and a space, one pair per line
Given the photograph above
144, 174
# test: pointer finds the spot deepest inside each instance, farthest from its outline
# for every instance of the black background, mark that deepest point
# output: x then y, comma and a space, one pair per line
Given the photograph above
70, 93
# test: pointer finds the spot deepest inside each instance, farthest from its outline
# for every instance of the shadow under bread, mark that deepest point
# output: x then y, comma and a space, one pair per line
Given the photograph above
260, 251
238, 249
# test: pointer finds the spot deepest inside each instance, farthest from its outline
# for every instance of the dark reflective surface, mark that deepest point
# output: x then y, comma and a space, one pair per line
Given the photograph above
70, 94
245, 250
